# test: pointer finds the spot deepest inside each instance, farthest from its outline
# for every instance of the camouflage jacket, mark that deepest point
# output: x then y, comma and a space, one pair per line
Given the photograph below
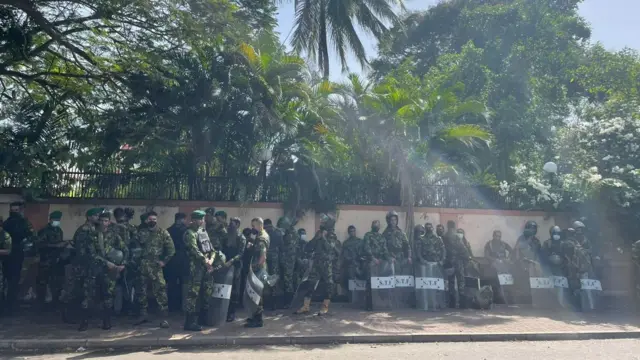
456, 248
289, 251
397, 243
195, 256
500, 251
351, 251
108, 241
235, 246
322, 249
527, 249
259, 251
49, 235
374, 246
85, 242
430, 248
217, 234
156, 245
336, 253
122, 231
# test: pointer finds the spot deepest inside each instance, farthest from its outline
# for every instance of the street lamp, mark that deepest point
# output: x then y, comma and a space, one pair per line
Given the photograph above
550, 168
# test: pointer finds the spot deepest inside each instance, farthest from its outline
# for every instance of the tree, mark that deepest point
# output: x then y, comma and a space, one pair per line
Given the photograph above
322, 24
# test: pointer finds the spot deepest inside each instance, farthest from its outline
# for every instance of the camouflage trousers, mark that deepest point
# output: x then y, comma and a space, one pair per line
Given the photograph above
197, 290
287, 268
322, 272
149, 281
237, 289
51, 275
106, 290
458, 275
80, 286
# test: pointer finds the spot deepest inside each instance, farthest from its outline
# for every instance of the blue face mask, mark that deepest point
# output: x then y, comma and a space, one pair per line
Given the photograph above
55, 223
556, 237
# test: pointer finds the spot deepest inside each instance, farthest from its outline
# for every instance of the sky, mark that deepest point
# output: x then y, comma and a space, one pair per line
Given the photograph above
614, 23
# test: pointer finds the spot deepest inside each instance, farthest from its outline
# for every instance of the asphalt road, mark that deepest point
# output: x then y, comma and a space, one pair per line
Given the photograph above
559, 350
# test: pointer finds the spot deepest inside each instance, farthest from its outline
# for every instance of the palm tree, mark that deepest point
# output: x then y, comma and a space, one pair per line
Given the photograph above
321, 22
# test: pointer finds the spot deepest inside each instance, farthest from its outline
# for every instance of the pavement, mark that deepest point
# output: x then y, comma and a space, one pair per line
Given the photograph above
341, 325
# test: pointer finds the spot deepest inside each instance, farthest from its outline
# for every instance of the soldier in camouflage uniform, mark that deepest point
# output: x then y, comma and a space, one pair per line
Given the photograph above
302, 258
429, 246
198, 249
496, 249
288, 258
397, 242
322, 257
50, 271
374, 249
457, 259
259, 248
234, 252
274, 295
109, 265
156, 251
5, 250
212, 227
81, 285
336, 264
351, 253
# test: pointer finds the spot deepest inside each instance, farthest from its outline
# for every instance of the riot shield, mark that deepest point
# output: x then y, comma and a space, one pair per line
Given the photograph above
221, 297
358, 293
252, 292
383, 284
304, 288
590, 293
430, 287
404, 294
542, 289
118, 299
505, 281
561, 290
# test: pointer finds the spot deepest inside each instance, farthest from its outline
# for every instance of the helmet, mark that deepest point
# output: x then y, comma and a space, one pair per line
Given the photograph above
284, 222
530, 228
115, 256
555, 230
419, 229
578, 225
555, 259
391, 214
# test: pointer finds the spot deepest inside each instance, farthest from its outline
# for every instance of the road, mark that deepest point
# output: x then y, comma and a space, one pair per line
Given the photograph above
559, 350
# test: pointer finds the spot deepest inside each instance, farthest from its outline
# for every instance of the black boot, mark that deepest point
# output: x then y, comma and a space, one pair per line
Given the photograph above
256, 322
84, 320
288, 298
106, 319
231, 313
190, 323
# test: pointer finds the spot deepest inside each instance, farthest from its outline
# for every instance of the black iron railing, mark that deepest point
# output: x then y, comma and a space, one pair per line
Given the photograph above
354, 191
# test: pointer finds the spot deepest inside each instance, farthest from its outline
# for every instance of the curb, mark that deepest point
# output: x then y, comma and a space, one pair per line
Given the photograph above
133, 343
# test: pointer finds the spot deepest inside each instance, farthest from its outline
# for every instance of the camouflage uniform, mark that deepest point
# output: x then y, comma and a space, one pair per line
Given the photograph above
397, 243
457, 258
50, 268
430, 247
81, 285
336, 266
374, 246
501, 250
198, 251
323, 251
156, 245
288, 259
217, 234
351, 253
259, 250
5, 244
303, 256
108, 241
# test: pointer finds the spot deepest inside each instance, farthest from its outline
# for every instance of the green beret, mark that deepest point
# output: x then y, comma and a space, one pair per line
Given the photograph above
210, 211
94, 211
56, 215
198, 214
221, 213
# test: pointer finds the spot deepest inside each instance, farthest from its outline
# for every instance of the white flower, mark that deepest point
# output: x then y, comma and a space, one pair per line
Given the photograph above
504, 188
593, 169
520, 169
617, 170
607, 158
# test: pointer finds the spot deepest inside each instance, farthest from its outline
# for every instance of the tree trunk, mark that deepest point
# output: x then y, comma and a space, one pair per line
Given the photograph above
323, 50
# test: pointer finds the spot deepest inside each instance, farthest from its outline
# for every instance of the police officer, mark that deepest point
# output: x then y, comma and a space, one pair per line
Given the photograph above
176, 270
259, 248
374, 249
288, 258
51, 244
456, 261
351, 253
22, 234
234, 249
429, 246
302, 257
211, 226
198, 248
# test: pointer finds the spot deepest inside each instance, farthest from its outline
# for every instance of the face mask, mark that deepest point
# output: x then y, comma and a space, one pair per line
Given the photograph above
253, 236
303, 237
55, 223
152, 224
460, 236
556, 237
529, 232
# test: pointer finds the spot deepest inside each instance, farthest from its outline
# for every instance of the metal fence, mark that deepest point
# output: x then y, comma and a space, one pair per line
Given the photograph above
354, 191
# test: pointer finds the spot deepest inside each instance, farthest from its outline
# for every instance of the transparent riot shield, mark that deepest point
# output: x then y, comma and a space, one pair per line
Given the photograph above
253, 292
383, 284
542, 288
404, 294
590, 292
505, 281
358, 293
221, 296
561, 290
430, 287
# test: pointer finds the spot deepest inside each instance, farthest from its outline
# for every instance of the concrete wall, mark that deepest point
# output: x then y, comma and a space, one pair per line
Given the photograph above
478, 224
